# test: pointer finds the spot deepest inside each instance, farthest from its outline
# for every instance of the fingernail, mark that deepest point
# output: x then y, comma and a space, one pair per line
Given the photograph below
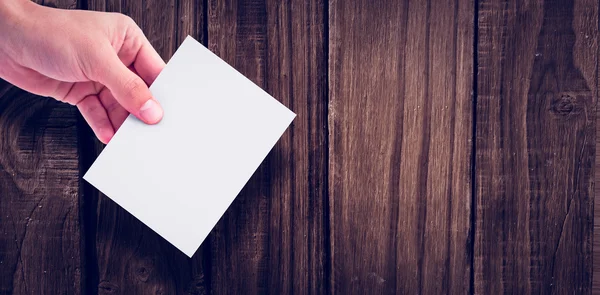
151, 112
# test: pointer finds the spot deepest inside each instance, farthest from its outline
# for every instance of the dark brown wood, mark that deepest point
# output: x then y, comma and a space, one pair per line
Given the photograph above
596, 237
536, 104
439, 148
39, 191
190, 20
40, 245
272, 238
400, 127
130, 258
596, 230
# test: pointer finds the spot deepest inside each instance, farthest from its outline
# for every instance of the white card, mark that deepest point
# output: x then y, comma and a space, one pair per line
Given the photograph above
179, 176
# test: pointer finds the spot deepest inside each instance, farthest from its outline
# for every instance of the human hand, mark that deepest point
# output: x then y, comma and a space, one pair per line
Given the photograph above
100, 62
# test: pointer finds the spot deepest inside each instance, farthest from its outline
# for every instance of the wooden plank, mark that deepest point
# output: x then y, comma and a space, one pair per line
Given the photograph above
130, 258
400, 125
40, 244
536, 97
587, 27
596, 230
272, 238
190, 20
39, 185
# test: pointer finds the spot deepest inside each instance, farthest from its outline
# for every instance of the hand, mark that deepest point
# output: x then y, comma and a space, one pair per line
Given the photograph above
100, 62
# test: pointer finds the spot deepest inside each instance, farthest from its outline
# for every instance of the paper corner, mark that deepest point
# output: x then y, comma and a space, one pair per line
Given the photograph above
189, 253
291, 115
86, 175
189, 37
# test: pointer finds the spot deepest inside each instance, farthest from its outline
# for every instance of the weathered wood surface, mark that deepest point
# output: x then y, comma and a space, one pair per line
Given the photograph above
40, 232
400, 125
439, 148
537, 90
39, 190
276, 225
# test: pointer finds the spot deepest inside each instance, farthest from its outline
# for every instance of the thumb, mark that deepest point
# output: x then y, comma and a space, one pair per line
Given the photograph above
130, 91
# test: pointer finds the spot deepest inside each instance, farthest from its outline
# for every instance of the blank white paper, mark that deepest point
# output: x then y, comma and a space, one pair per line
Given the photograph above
181, 175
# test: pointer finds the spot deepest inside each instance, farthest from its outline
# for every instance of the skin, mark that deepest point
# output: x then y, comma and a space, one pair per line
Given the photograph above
100, 62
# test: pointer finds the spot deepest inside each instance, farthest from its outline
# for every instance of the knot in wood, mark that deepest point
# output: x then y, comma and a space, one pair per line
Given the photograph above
107, 288
142, 273
143, 269
563, 105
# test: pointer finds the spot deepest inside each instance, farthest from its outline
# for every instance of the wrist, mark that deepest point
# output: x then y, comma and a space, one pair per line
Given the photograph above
12, 12
13, 20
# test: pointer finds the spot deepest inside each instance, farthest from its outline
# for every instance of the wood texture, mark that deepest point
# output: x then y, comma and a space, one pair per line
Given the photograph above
280, 221
439, 147
272, 237
39, 206
130, 258
39, 193
400, 126
536, 97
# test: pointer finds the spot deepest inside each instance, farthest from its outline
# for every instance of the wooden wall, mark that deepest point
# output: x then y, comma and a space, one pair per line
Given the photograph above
440, 147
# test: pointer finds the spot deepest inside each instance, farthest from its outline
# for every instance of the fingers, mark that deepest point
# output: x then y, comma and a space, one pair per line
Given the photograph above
79, 91
138, 53
95, 115
148, 64
36, 83
129, 90
116, 113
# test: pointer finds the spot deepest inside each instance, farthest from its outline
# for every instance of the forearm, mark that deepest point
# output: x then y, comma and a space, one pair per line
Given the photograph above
12, 13
14, 23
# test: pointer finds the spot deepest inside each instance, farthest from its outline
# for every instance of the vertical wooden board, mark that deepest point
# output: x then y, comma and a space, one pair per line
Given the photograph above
272, 237
596, 238
596, 235
237, 33
400, 124
39, 206
448, 188
190, 20
536, 100
296, 75
585, 24
131, 258
40, 232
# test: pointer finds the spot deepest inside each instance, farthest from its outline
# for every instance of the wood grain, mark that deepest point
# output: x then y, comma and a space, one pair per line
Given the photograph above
129, 257
272, 239
39, 206
536, 102
439, 147
40, 243
191, 15
400, 125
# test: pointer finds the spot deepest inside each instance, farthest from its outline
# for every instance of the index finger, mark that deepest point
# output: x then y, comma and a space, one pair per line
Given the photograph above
148, 63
